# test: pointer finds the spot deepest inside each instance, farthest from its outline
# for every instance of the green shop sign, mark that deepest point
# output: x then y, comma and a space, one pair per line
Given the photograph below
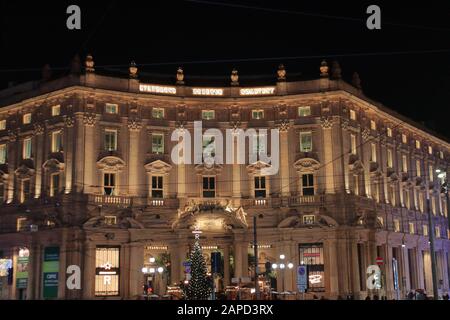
22, 272
50, 269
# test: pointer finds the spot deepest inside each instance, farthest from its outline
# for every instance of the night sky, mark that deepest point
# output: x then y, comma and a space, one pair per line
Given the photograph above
405, 65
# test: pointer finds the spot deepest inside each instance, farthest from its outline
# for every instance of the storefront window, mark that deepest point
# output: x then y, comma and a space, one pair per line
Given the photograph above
107, 271
311, 255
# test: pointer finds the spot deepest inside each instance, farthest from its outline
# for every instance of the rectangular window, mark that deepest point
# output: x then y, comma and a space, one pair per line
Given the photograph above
260, 187
56, 141
109, 183
157, 187
26, 190
411, 227
208, 114
312, 255
21, 224
158, 113
425, 230
431, 173
404, 163
417, 144
304, 111
389, 132
392, 189
407, 199
56, 110
373, 150
110, 220
107, 271
27, 149
421, 203
305, 141
416, 199
2, 125
441, 154
26, 118
54, 184
353, 143
352, 115
430, 150
309, 219
308, 184
396, 225
3, 153
158, 143
373, 125
389, 158
110, 140
433, 204
404, 138
258, 114
438, 231
418, 168
209, 187
111, 108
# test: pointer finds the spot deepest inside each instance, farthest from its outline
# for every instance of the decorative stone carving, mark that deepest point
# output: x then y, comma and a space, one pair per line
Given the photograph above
306, 165
180, 76
12, 136
284, 125
89, 63
53, 165
326, 122
281, 72
344, 124
111, 163
234, 78
365, 134
133, 70
134, 124
235, 126
38, 129
158, 167
69, 121
356, 167
255, 168
24, 172
324, 69
89, 119
208, 169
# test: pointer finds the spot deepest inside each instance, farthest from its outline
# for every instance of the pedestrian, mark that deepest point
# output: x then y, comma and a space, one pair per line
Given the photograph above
368, 298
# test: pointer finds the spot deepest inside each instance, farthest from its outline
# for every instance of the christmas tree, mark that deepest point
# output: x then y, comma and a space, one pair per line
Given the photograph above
199, 287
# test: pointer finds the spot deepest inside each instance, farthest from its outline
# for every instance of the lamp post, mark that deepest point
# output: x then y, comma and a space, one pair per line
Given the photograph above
282, 265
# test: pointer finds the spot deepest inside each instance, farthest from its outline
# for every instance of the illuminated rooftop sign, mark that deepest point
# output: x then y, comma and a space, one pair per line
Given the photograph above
157, 89
257, 91
207, 92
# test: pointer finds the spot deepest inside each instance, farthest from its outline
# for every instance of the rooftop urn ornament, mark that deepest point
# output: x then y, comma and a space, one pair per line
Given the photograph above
180, 76
356, 81
133, 70
336, 72
281, 72
75, 65
324, 69
46, 72
89, 63
234, 78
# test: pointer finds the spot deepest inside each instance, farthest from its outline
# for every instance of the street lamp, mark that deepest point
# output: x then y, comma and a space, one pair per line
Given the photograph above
282, 265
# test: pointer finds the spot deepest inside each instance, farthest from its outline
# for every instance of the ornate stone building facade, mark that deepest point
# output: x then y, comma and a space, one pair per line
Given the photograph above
86, 171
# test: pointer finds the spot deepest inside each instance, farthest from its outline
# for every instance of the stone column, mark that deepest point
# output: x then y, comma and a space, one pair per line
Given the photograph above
68, 147
35, 278
226, 265
238, 270
133, 165
284, 161
88, 283
13, 146
175, 263
63, 252
355, 278
327, 125
135, 275
39, 152
90, 154
236, 167
79, 153
333, 265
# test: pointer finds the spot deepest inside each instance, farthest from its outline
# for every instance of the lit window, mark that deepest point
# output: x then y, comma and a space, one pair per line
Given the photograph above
441, 154
309, 219
27, 149
373, 125
407, 199
353, 143
158, 143
158, 113
404, 163
389, 158
56, 110
157, 187
111, 108
3, 153
260, 187
110, 140
380, 221
431, 173
389, 132
257, 114
21, 224
54, 184
26, 190
411, 228
373, 149
209, 187
356, 184
27, 118
352, 115
421, 203
438, 231
109, 183
304, 111
396, 225
208, 114
56, 141
110, 220
392, 193
418, 168
305, 141
416, 203
430, 150
308, 184
107, 271
2, 124
433, 204
417, 144
404, 139
425, 230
